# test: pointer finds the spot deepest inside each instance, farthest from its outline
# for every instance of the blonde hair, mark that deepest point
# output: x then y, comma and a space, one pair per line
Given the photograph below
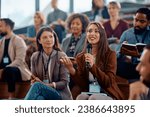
115, 3
41, 15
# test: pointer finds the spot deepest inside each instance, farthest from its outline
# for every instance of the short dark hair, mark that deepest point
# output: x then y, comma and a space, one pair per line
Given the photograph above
145, 11
9, 22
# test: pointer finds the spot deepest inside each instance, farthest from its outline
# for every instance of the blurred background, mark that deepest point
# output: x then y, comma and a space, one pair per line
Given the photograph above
22, 11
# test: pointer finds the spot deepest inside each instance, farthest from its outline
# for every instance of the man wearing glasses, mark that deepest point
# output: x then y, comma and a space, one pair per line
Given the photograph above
139, 33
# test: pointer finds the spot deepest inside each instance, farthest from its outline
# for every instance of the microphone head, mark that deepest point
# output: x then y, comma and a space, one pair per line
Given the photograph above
89, 45
89, 48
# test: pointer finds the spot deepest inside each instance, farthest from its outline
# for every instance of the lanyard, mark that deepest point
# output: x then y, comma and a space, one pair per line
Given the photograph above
143, 39
46, 65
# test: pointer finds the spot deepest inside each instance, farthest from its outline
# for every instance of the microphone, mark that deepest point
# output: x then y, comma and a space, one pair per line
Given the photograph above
88, 50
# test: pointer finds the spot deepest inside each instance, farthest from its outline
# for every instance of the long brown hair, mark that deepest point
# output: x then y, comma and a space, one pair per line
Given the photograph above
103, 46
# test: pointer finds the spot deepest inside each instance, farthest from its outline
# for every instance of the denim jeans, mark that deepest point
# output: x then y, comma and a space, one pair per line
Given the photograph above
39, 91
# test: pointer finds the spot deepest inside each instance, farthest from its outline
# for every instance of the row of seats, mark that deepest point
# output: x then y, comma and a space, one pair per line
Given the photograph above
23, 87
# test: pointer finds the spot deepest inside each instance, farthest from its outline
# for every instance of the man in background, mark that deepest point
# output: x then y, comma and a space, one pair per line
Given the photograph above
140, 33
140, 89
56, 19
12, 57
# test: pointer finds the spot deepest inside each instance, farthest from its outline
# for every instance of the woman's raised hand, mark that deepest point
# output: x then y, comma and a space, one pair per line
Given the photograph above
68, 64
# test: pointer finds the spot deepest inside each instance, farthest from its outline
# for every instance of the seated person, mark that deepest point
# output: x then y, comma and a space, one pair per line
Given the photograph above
140, 89
114, 26
49, 79
99, 12
30, 39
39, 21
140, 33
73, 44
12, 56
56, 19
95, 72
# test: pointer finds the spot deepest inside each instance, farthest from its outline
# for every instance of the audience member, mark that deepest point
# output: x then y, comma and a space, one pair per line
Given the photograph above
30, 39
114, 26
56, 19
39, 21
140, 33
73, 44
12, 56
99, 11
140, 89
95, 72
49, 79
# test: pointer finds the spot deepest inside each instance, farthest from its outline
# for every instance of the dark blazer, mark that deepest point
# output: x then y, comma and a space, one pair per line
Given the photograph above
105, 74
57, 72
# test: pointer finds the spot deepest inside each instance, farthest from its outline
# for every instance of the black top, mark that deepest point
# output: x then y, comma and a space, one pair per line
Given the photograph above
92, 14
5, 57
72, 46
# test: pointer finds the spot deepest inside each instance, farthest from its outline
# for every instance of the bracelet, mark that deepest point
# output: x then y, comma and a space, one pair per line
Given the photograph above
54, 84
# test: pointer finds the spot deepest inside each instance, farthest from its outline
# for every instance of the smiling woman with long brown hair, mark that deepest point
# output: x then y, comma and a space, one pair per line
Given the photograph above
97, 80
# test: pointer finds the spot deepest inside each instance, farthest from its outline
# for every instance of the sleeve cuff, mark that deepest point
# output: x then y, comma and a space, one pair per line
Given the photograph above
54, 84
